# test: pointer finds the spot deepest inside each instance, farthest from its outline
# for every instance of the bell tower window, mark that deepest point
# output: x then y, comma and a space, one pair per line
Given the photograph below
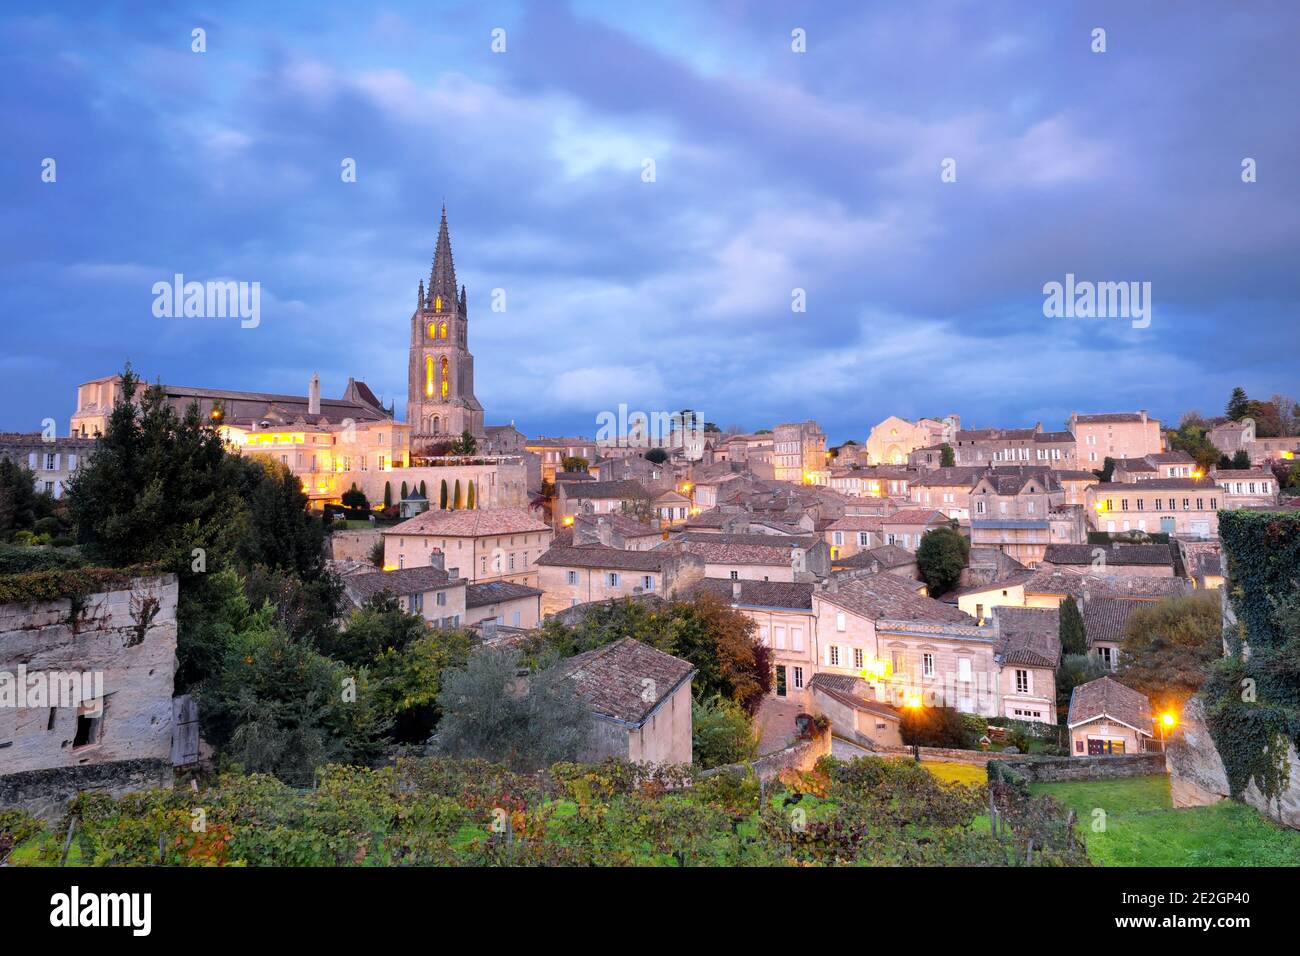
428, 376
437, 303
442, 331
446, 385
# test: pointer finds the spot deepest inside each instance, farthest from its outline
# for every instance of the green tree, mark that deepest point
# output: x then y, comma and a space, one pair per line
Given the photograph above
466, 444
1167, 648
1107, 470
442, 496
471, 495
490, 712
388, 495
458, 501
405, 491
354, 497
1241, 459
423, 493
1074, 639
656, 455
278, 706
1075, 669
947, 457
941, 557
933, 727
19, 501
721, 732
158, 487
1238, 404
573, 463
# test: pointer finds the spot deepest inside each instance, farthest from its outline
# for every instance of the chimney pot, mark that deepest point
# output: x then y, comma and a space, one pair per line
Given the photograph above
313, 395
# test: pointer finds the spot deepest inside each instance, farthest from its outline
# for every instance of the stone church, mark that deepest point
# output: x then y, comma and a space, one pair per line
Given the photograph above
440, 400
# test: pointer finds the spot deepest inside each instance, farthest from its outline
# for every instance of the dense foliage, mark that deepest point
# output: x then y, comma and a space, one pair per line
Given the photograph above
934, 727
721, 642
441, 812
497, 711
722, 732
1074, 638
941, 558
1253, 696
1167, 648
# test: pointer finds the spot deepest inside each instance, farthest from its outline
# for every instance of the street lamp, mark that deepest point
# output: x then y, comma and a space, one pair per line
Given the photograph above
914, 703
1168, 721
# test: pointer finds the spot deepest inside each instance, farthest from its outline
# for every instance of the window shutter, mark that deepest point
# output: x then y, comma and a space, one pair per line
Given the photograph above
31, 461
72, 462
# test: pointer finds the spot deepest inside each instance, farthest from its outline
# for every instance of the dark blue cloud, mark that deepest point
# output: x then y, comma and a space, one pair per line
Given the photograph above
775, 171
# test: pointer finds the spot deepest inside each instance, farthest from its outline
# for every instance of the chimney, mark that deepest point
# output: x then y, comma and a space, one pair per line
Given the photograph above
603, 531
437, 559
488, 629
313, 395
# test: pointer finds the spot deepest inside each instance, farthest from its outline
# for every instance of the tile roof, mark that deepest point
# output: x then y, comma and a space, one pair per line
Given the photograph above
1107, 697
400, 583
885, 596
921, 516
776, 594
1110, 555
851, 691
1104, 618
772, 549
1110, 418
1155, 484
1078, 584
1029, 635
1011, 580
470, 524
494, 592
611, 679
856, 523
960, 476
601, 557
620, 488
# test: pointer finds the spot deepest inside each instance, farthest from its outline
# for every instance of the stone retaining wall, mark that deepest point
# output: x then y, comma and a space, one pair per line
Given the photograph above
801, 755
353, 545
47, 793
1047, 769
1197, 777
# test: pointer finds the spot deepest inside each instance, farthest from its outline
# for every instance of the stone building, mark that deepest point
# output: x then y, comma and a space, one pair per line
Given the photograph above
440, 400
491, 544
1114, 435
88, 682
52, 461
640, 702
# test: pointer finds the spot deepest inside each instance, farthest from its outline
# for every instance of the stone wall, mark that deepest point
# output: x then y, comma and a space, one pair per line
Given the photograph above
122, 644
353, 545
1197, 777
1048, 769
801, 755
46, 793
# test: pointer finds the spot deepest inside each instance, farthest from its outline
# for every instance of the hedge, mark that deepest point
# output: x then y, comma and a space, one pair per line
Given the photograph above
38, 587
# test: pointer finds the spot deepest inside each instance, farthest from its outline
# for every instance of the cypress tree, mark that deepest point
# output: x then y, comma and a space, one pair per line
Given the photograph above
442, 497
1074, 639
459, 501
471, 501
388, 494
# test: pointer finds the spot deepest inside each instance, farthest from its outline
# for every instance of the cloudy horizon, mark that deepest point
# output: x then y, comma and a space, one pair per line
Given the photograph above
774, 171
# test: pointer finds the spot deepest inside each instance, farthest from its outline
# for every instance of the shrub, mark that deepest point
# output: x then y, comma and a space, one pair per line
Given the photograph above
934, 727
722, 732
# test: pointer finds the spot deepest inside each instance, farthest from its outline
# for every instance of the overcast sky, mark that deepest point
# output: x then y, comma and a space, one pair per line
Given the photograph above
774, 171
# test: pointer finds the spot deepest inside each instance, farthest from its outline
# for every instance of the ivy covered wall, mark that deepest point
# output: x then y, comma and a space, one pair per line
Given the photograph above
1253, 696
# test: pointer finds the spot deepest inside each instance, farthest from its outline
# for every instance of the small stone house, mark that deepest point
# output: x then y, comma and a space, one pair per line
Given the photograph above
1106, 718
640, 702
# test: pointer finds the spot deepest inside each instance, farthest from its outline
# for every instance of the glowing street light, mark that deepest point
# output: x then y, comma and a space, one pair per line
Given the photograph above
1168, 721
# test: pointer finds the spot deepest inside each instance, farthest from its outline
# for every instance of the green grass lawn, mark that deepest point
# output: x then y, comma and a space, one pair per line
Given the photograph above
1142, 828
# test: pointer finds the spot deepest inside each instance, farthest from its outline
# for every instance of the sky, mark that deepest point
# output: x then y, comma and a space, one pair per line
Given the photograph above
773, 171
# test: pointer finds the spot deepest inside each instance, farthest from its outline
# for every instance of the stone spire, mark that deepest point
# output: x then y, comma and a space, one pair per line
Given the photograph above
419, 297
442, 278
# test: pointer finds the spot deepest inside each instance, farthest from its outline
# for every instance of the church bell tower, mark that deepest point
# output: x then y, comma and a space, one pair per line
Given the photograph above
440, 401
